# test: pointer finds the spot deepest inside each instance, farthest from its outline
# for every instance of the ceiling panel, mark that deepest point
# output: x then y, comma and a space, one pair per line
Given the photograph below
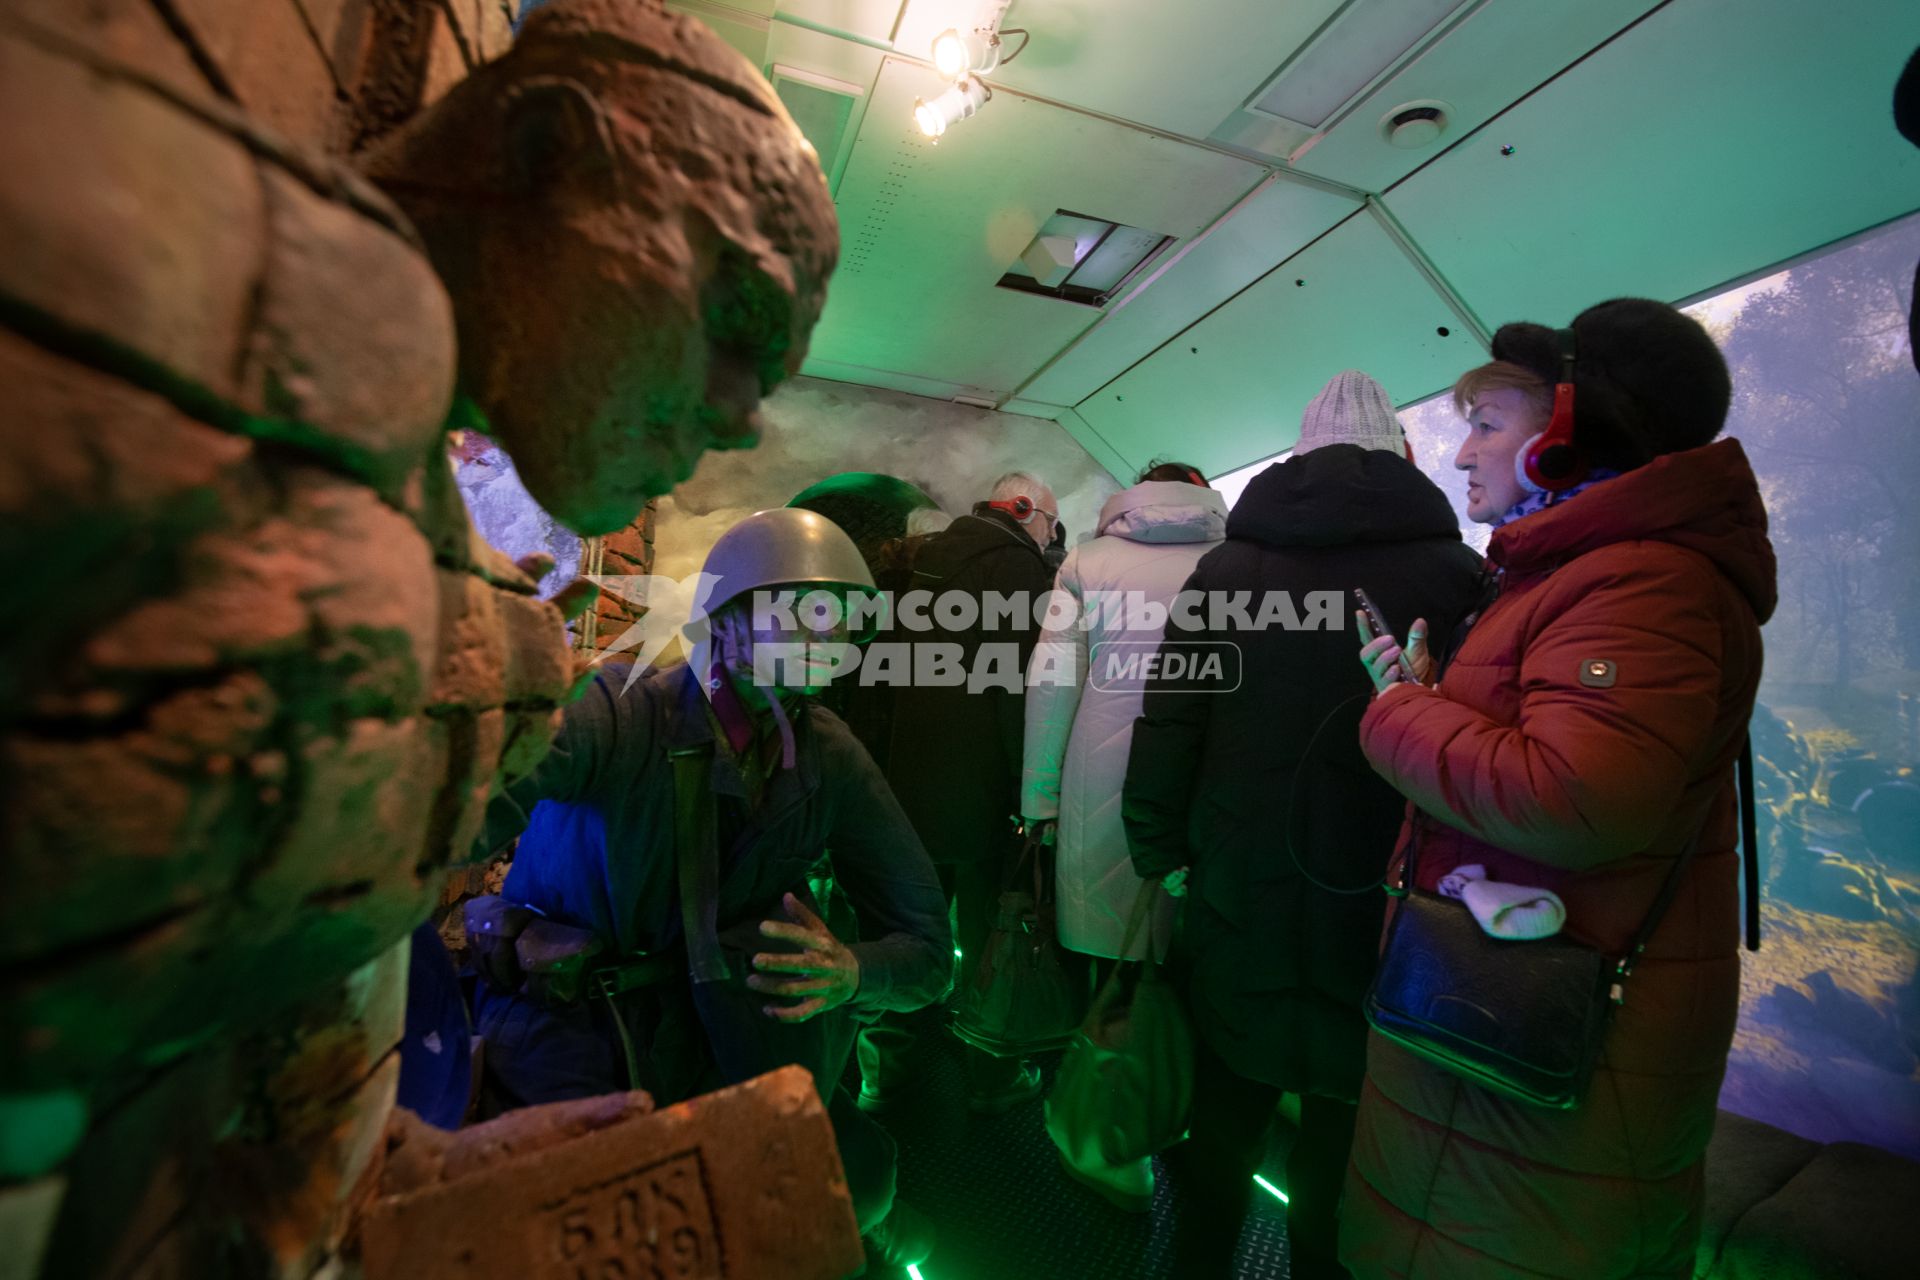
1271, 225
1502, 51
867, 19
1181, 67
1712, 140
1232, 388
927, 229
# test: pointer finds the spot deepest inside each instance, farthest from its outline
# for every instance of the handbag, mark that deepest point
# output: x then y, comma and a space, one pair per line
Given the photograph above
1022, 995
1524, 1019
1125, 1087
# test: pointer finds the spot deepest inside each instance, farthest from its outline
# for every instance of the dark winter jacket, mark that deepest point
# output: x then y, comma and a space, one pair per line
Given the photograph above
598, 848
1222, 781
1552, 770
955, 756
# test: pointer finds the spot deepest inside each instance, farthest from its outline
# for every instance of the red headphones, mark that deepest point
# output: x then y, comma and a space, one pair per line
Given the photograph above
1196, 478
1550, 462
1019, 507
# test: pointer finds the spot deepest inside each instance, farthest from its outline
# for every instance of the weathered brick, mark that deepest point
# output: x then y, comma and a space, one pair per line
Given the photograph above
629, 543
354, 335
126, 32
364, 801
270, 61
472, 792
107, 832
336, 583
538, 668
342, 28
745, 1181
106, 235
472, 666
446, 61
485, 27
100, 495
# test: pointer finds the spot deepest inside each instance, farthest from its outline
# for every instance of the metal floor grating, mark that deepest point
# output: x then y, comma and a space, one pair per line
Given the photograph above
1004, 1209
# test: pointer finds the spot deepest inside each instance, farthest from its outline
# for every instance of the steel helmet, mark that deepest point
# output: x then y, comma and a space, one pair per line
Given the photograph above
780, 548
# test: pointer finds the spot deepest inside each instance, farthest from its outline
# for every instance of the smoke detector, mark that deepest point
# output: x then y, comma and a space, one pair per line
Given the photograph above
1413, 125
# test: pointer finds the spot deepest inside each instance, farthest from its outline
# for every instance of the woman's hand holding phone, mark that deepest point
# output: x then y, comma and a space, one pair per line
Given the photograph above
1386, 662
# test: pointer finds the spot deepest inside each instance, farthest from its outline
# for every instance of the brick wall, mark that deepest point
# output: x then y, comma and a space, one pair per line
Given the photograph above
262, 675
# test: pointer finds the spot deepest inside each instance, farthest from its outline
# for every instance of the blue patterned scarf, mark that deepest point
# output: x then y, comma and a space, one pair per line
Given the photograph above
1541, 501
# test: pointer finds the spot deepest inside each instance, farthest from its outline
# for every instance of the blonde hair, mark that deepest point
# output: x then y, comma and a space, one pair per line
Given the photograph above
1502, 375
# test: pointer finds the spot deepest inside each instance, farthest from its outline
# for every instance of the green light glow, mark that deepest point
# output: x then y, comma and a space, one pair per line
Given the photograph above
1276, 1192
914, 1272
956, 953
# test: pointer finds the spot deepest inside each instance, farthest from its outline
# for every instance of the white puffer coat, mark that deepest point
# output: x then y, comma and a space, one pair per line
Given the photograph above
1078, 736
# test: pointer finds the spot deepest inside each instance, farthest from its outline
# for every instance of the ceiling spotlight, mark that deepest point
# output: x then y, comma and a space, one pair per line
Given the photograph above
961, 99
956, 55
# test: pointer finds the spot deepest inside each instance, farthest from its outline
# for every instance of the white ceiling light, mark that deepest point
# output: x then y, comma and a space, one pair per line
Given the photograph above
956, 55
960, 100
1349, 54
963, 57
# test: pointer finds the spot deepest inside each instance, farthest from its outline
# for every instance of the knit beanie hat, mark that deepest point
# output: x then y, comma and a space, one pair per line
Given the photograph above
1351, 409
1647, 379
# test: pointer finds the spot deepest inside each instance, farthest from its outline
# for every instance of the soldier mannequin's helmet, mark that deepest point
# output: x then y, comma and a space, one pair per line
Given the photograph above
784, 548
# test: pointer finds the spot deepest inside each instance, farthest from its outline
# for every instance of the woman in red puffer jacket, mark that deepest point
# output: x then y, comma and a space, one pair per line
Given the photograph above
1583, 735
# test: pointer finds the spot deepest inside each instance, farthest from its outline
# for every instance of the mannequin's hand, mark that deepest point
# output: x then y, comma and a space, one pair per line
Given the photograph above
1381, 655
1175, 882
825, 975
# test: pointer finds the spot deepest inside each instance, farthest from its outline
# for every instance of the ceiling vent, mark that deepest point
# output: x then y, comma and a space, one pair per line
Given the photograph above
1415, 124
1082, 259
1347, 56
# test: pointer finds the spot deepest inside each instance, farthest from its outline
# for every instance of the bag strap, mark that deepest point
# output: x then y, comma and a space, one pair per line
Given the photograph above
698, 859
1142, 908
1644, 934
1749, 845
1030, 851
1750, 849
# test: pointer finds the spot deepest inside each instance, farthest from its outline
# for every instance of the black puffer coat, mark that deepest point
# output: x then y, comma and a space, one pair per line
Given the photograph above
954, 755
1216, 780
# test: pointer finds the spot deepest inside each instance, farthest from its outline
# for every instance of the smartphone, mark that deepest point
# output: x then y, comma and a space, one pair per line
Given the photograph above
1378, 624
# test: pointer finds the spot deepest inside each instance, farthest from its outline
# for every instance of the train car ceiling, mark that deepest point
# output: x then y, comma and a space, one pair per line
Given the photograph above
1564, 151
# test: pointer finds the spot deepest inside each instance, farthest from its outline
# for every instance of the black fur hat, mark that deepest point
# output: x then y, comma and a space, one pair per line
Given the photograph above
1647, 379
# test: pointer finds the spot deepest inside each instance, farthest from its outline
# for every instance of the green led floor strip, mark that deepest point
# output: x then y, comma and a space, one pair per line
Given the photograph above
913, 1272
1276, 1192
